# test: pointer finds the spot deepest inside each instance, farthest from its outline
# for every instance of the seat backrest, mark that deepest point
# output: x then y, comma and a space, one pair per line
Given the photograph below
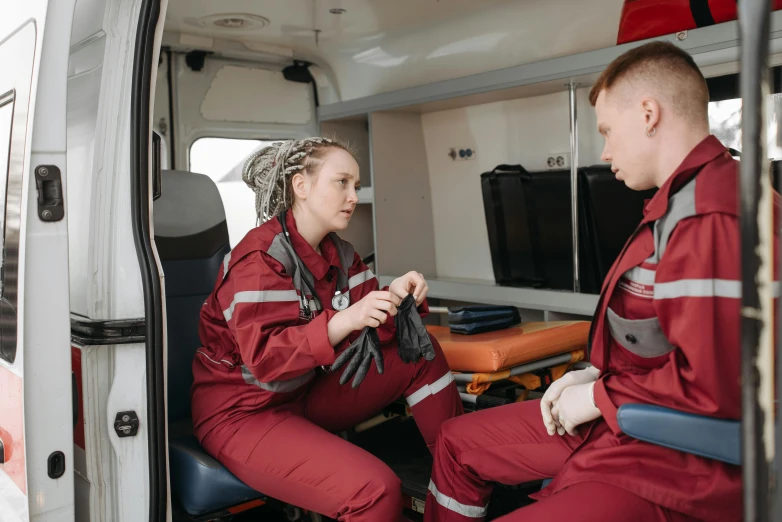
551, 208
612, 212
505, 200
191, 235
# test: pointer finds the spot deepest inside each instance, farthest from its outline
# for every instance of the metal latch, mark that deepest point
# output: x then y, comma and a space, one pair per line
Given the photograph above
48, 182
126, 424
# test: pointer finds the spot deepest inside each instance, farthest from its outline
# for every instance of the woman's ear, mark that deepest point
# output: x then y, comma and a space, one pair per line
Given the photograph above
300, 187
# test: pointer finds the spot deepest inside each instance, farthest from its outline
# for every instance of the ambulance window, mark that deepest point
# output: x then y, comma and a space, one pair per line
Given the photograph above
221, 159
725, 123
7, 348
725, 110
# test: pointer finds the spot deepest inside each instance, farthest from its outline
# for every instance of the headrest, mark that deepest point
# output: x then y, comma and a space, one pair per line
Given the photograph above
189, 217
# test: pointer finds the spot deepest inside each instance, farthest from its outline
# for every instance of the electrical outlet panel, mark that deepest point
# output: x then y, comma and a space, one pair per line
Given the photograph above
558, 160
462, 154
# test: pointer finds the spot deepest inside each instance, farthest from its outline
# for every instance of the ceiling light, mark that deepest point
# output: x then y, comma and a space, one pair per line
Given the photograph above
230, 21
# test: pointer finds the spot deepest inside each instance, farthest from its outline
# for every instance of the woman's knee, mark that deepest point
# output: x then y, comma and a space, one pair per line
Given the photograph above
379, 496
439, 364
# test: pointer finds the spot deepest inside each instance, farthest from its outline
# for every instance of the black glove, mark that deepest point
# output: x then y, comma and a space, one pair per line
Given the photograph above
362, 351
411, 333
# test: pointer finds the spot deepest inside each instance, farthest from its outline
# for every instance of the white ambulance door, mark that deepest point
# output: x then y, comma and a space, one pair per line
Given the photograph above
36, 415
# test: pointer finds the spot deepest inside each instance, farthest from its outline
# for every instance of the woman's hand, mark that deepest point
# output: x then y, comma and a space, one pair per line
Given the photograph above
410, 283
373, 310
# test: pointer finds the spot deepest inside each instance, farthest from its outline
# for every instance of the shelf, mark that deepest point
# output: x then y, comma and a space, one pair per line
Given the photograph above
366, 195
708, 46
486, 292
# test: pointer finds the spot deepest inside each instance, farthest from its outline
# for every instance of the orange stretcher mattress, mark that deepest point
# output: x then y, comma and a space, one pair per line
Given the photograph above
503, 349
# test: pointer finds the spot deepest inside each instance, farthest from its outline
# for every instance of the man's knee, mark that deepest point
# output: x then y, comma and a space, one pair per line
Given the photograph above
450, 438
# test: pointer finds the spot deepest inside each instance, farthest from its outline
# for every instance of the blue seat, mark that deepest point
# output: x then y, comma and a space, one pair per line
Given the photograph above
200, 483
192, 240
717, 439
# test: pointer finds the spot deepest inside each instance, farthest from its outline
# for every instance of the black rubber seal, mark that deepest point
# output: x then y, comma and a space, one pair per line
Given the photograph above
140, 134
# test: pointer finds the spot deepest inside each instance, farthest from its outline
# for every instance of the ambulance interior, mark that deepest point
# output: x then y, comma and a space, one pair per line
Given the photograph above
442, 101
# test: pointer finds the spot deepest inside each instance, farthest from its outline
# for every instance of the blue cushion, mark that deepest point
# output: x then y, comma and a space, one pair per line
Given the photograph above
188, 284
200, 483
717, 439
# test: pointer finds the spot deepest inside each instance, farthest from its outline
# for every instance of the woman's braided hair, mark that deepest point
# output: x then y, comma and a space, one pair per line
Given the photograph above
268, 171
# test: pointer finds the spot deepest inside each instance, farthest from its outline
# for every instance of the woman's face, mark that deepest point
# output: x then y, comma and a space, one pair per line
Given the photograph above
330, 194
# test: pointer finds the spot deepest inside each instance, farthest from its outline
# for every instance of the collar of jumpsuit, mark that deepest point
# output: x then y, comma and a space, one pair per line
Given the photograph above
703, 153
318, 265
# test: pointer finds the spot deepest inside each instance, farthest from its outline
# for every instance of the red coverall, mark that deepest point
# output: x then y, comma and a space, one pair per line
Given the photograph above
264, 406
666, 332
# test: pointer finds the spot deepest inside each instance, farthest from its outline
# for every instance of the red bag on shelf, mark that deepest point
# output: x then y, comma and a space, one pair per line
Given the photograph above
642, 19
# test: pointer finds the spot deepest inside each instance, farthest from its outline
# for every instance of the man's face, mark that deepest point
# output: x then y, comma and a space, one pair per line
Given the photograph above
622, 123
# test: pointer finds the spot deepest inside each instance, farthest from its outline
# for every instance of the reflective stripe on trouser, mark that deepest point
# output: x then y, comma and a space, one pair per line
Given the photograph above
508, 444
289, 452
455, 506
433, 396
430, 389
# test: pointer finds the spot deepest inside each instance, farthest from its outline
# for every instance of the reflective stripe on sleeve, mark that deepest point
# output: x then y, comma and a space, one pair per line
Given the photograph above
261, 296
359, 279
277, 386
698, 288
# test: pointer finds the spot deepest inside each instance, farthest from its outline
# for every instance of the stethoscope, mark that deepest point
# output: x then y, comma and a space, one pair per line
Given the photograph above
340, 301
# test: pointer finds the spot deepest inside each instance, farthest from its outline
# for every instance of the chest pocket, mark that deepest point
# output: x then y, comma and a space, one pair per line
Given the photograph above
642, 337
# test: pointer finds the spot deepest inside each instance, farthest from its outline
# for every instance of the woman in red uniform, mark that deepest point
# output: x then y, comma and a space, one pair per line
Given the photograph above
290, 297
666, 331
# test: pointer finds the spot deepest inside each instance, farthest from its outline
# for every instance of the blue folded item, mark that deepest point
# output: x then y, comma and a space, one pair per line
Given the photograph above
470, 320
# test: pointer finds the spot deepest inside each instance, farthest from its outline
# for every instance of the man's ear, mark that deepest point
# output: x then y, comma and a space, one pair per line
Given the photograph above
299, 184
651, 113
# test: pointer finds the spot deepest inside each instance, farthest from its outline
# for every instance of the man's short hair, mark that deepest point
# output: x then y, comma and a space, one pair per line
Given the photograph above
669, 69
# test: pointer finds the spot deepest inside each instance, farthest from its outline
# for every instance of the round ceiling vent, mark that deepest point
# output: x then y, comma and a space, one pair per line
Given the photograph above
230, 21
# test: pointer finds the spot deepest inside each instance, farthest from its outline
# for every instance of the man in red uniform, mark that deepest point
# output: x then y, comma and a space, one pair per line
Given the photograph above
666, 331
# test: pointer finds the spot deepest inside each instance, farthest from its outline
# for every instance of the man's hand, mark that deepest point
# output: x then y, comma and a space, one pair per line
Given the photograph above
410, 283
555, 390
575, 407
